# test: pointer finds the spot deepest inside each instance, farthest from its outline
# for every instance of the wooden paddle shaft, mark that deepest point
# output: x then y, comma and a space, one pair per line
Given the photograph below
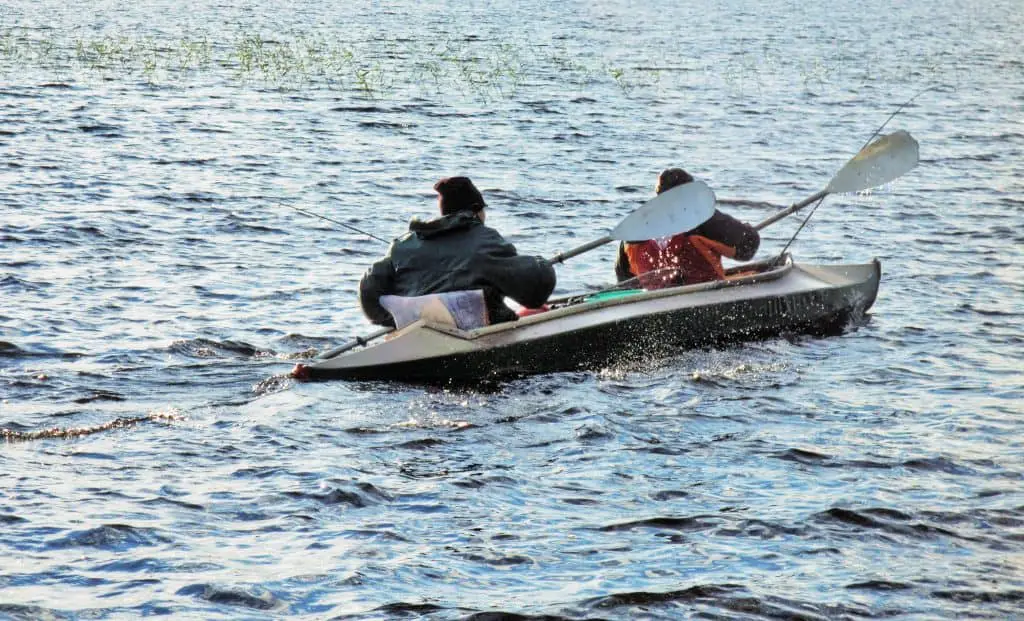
559, 258
360, 340
791, 209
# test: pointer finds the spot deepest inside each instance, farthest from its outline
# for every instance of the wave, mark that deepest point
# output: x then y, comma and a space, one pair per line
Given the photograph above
118, 537
123, 422
251, 596
208, 348
367, 495
885, 520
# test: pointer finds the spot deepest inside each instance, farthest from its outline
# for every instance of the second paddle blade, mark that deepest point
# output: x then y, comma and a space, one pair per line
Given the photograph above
877, 164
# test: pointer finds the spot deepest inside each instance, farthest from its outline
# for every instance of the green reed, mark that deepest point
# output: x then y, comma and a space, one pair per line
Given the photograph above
483, 69
375, 68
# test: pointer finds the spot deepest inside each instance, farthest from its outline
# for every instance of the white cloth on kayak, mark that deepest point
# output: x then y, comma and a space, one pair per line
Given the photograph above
465, 310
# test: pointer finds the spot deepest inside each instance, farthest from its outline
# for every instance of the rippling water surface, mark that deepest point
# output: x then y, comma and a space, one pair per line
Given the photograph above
157, 288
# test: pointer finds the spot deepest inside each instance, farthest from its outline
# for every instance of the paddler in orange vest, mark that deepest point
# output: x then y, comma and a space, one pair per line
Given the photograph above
686, 258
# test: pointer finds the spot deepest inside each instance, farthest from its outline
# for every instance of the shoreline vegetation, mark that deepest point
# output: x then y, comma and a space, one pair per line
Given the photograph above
379, 69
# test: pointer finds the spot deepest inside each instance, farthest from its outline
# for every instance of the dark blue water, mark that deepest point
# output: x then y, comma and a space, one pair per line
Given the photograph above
157, 288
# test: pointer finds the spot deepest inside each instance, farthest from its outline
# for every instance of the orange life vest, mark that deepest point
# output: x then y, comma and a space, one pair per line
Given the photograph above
679, 260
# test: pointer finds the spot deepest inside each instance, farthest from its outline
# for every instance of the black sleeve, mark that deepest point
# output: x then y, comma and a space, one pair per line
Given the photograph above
377, 281
728, 230
527, 280
536, 283
623, 270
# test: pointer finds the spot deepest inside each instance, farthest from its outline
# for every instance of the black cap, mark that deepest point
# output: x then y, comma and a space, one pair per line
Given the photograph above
459, 194
670, 178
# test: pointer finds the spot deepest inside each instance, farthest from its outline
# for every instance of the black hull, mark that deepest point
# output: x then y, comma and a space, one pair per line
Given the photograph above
823, 311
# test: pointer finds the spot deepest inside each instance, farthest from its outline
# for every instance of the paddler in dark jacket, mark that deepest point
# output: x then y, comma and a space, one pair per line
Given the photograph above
686, 258
456, 252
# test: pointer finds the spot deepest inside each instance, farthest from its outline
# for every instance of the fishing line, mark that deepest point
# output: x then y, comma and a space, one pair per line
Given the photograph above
872, 137
897, 111
782, 252
332, 221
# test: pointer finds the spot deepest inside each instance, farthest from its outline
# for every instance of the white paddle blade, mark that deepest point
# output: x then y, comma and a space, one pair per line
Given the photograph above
678, 210
877, 164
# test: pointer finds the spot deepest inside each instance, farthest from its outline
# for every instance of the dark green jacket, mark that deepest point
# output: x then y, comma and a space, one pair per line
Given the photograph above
456, 253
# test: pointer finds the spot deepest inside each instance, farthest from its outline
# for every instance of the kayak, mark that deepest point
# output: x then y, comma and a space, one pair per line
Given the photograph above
755, 301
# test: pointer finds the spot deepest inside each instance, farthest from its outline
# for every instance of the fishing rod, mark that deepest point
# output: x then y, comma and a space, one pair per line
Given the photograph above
332, 221
359, 340
866, 143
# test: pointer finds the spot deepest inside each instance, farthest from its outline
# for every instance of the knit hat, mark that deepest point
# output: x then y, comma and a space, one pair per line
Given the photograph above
458, 194
670, 178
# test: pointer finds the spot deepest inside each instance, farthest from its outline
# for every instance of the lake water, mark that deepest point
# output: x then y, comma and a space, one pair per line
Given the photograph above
157, 288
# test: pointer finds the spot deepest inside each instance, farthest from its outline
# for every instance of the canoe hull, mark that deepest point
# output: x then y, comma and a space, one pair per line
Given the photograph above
817, 300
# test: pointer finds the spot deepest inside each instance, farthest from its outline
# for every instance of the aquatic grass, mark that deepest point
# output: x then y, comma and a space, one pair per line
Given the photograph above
489, 72
464, 65
304, 61
482, 69
195, 54
108, 52
485, 71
